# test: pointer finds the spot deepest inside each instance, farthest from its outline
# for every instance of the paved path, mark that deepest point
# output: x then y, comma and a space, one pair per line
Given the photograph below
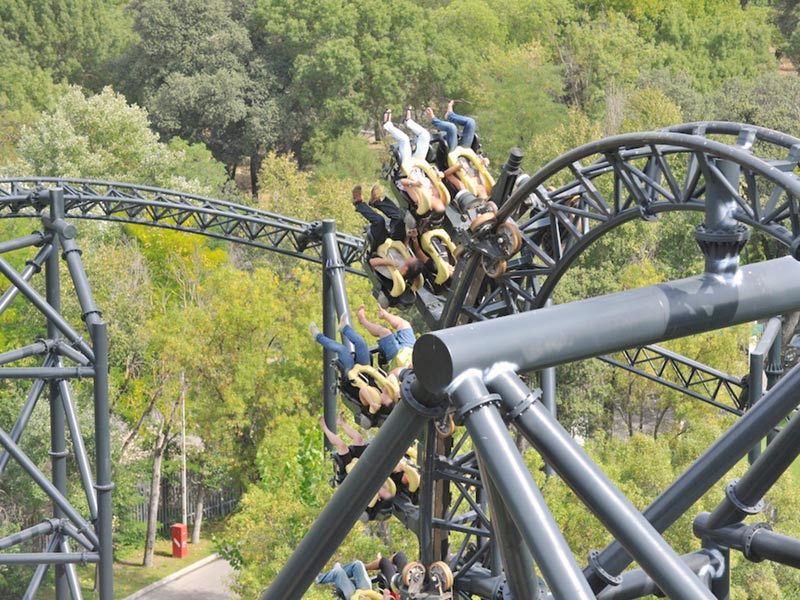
204, 580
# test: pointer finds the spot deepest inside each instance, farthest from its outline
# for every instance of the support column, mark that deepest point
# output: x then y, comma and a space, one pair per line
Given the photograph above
595, 489
58, 446
524, 501
331, 267
515, 557
104, 485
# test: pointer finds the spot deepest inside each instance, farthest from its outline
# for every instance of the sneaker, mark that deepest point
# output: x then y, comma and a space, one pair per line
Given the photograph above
312, 327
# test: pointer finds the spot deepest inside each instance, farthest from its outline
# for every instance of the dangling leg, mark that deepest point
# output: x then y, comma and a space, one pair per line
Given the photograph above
377, 224
359, 345
404, 144
467, 124
374, 329
342, 351
358, 439
338, 576
449, 129
335, 440
395, 322
423, 139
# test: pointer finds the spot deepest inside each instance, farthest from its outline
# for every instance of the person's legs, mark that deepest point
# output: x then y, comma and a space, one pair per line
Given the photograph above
342, 351
450, 131
403, 143
375, 329
395, 322
377, 224
335, 440
423, 139
397, 227
358, 573
400, 560
468, 128
359, 345
358, 439
338, 577
387, 569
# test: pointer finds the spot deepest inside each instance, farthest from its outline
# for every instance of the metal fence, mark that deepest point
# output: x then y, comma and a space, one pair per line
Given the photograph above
216, 504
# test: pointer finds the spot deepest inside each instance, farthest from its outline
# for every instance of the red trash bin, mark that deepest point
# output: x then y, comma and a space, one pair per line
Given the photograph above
180, 540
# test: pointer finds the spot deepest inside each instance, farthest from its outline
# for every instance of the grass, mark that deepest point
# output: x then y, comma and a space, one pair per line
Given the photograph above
130, 575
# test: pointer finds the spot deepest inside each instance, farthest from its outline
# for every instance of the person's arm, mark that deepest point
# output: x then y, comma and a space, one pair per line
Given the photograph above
377, 261
410, 182
454, 169
416, 247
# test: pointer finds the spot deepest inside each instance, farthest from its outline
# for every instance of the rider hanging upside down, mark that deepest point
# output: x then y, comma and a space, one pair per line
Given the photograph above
469, 167
345, 458
421, 181
395, 343
398, 270
372, 388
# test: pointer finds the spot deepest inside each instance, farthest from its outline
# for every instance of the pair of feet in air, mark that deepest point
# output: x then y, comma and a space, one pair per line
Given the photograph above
312, 327
374, 196
387, 114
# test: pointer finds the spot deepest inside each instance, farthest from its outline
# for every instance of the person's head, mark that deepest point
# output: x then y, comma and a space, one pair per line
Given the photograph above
376, 192
412, 267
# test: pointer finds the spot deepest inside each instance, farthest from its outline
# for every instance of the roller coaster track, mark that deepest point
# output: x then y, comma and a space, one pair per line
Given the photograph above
126, 203
560, 211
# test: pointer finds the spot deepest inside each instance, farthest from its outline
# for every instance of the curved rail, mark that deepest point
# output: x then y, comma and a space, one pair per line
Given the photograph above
578, 197
127, 203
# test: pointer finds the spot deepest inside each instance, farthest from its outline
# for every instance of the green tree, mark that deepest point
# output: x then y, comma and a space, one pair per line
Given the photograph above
338, 65
103, 137
771, 100
786, 16
194, 70
516, 93
73, 39
25, 90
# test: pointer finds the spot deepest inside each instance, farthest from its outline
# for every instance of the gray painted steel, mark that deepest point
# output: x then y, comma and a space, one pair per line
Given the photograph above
516, 560
708, 468
558, 334
595, 489
521, 496
347, 504
637, 584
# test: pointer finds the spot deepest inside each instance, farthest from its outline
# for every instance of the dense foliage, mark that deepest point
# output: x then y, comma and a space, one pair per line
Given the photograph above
276, 104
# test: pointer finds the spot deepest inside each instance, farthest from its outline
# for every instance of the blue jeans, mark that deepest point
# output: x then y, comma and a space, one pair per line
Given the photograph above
450, 132
468, 128
343, 352
343, 578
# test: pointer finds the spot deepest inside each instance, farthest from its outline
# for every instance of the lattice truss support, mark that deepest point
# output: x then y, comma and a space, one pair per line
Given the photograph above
128, 203
562, 209
44, 371
481, 383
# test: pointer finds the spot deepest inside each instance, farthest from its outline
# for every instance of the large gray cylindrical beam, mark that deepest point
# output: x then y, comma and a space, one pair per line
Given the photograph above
521, 497
595, 489
342, 511
568, 332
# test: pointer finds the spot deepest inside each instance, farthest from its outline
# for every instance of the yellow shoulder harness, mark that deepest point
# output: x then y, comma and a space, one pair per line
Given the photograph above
424, 166
398, 283
426, 243
369, 594
469, 183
